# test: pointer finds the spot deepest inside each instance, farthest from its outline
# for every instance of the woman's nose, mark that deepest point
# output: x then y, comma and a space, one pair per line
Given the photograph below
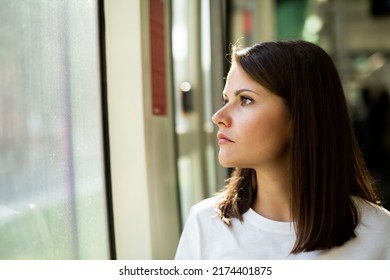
220, 118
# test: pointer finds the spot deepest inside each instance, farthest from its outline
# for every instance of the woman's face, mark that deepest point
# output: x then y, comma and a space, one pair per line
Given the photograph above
254, 124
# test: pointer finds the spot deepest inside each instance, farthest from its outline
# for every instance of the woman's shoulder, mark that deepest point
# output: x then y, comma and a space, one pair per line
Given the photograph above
207, 206
371, 213
203, 215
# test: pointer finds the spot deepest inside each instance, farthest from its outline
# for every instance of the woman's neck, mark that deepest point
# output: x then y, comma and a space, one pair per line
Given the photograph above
273, 199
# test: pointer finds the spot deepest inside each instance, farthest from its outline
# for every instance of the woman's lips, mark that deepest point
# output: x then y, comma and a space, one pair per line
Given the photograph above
222, 138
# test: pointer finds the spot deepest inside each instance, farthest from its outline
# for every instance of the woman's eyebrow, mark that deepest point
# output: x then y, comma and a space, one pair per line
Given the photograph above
237, 92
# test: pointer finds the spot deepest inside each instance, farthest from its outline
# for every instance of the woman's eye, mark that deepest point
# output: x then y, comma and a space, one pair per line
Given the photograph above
246, 100
224, 102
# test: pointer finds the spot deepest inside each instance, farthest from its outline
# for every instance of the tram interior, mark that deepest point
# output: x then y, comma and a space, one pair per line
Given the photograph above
89, 171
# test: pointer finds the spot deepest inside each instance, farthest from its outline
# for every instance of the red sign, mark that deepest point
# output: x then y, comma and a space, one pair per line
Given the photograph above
157, 57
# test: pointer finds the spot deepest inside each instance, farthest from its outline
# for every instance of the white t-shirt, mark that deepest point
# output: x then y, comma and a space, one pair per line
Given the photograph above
205, 236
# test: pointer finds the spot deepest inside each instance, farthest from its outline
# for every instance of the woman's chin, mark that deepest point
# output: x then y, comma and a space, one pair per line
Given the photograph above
226, 163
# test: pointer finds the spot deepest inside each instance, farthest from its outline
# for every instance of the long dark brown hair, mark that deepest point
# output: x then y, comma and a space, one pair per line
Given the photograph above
327, 165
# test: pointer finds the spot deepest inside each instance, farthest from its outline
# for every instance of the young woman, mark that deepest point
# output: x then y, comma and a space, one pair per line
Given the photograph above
300, 188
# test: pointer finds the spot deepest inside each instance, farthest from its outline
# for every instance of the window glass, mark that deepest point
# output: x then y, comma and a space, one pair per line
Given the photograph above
52, 194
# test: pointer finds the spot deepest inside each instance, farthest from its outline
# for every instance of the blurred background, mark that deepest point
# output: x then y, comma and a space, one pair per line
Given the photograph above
106, 137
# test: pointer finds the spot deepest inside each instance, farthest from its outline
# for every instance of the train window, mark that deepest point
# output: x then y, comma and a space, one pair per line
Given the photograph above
52, 185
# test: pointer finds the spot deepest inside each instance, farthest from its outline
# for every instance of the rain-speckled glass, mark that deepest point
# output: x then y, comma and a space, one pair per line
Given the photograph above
52, 185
